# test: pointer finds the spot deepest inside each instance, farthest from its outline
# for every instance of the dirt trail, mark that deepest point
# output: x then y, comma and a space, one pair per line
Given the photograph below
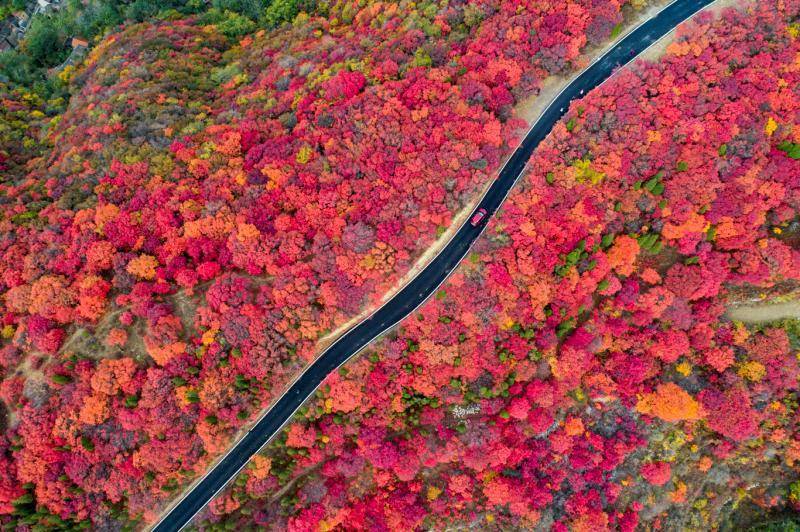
764, 312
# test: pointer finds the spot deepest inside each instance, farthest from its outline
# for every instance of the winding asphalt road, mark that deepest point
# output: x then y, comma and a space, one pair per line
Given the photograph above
429, 279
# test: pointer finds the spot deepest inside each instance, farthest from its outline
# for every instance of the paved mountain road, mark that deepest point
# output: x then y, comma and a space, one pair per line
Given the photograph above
430, 278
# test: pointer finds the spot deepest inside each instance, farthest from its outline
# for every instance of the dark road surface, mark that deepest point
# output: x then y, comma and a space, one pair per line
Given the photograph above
429, 279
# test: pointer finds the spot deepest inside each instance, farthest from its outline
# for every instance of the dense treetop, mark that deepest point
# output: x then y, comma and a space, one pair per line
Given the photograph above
215, 200
578, 372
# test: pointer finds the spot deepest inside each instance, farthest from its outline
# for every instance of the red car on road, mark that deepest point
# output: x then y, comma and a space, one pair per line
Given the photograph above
478, 217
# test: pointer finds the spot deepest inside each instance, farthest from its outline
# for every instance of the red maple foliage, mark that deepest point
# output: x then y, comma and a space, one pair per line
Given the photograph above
588, 321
